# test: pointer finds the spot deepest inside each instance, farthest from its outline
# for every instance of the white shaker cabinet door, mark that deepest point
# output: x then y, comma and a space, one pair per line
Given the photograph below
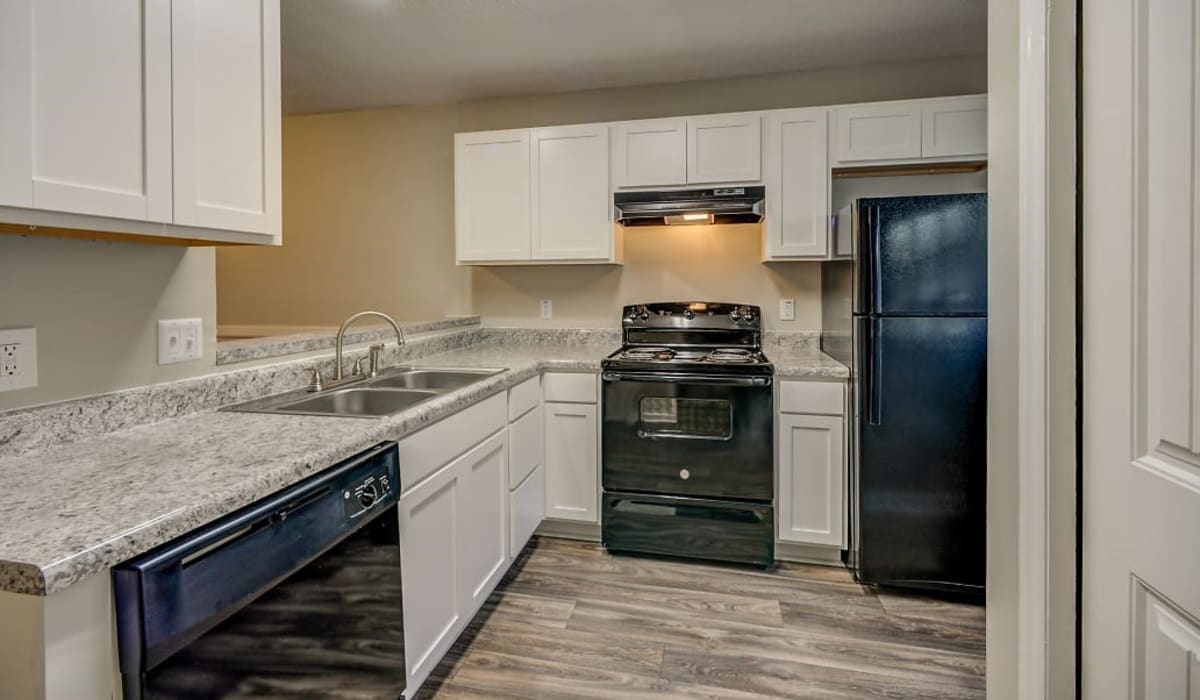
724, 148
650, 153
491, 196
812, 484
954, 127
572, 462
881, 131
226, 99
797, 184
526, 507
571, 204
85, 112
483, 519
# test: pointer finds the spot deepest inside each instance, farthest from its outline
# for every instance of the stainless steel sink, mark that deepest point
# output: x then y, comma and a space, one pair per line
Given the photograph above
389, 393
358, 401
434, 379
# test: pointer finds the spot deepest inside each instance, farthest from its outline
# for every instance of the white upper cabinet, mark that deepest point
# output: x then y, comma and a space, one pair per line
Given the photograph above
650, 153
880, 131
955, 126
796, 158
226, 83
572, 214
491, 195
85, 119
724, 148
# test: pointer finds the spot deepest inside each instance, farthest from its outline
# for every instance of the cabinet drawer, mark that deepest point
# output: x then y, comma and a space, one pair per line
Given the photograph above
526, 507
425, 451
524, 447
826, 398
523, 397
569, 387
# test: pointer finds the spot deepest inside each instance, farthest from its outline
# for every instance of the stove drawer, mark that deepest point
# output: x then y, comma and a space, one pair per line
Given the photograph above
689, 527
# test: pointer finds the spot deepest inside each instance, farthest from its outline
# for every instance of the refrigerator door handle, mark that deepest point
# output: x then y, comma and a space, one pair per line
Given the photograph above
874, 373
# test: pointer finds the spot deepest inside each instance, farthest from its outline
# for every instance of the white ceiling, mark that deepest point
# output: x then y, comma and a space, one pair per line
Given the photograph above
351, 54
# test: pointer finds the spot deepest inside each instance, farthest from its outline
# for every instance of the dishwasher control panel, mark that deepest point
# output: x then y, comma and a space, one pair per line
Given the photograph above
366, 493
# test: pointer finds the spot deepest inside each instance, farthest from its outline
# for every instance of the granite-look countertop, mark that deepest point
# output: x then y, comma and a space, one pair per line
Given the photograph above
73, 510
797, 363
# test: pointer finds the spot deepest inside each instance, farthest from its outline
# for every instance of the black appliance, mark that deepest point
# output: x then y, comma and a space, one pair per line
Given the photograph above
688, 434
298, 594
716, 205
918, 319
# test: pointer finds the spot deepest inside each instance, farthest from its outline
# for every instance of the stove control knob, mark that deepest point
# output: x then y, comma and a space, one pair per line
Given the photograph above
644, 314
689, 314
736, 315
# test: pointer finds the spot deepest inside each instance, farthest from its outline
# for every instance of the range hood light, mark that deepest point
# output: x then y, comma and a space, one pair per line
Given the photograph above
691, 218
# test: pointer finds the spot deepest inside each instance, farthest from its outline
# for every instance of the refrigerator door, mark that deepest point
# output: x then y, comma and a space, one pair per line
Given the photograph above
921, 256
919, 467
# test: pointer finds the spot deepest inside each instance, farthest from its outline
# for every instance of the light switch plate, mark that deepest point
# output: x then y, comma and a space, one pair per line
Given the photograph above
547, 308
18, 358
180, 340
787, 309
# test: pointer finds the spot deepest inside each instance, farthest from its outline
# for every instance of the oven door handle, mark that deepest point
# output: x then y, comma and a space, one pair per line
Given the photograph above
679, 378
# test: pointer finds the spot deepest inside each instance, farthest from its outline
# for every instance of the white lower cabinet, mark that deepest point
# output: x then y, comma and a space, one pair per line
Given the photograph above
572, 462
526, 508
812, 503
454, 549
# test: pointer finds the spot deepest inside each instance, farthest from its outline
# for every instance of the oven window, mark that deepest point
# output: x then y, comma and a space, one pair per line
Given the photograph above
667, 416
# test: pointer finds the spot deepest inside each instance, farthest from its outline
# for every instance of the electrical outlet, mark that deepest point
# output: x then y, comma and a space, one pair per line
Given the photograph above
787, 309
18, 358
547, 308
180, 340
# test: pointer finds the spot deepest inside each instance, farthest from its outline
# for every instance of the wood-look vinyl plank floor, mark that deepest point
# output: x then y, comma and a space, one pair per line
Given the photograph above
571, 621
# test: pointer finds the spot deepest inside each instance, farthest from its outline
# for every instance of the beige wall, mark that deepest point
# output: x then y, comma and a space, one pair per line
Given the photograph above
96, 307
369, 221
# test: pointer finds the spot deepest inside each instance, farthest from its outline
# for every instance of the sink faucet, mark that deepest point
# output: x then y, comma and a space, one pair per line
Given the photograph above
342, 332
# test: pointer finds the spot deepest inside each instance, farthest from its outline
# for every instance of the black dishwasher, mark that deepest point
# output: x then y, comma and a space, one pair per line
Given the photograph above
298, 594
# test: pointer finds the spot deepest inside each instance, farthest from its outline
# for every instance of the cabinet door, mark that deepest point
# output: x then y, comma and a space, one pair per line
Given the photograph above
954, 127
797, 183
572, 462
433, 599
650, 153
526, 507
724, 148
812, 483
225, 93
482, 520
85, 121
571, 205
887, 131
491, 196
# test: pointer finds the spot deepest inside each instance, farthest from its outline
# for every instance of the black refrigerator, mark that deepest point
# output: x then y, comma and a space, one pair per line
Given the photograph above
918, 324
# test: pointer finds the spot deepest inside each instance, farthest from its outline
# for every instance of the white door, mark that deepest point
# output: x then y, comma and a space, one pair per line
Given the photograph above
572, 462
724, 148
491, 196
1141, 349
880, 131
85, 117
226, 100
572, 201
433, 596
954, 127
650, 153
526, 508
796, 159
483, 519
812, 488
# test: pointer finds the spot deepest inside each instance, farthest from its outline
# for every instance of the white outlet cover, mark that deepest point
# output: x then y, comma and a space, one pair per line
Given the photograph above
180, 340
18, 358
547, 308
787, 309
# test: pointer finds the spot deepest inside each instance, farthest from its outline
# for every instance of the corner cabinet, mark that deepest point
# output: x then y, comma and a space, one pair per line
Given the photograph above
146, 118
796, 160
534, 196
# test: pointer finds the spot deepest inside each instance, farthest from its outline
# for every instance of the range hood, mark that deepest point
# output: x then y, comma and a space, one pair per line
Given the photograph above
720, 205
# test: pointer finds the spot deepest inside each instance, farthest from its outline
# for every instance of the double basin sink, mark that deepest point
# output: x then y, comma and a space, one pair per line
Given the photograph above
390, 392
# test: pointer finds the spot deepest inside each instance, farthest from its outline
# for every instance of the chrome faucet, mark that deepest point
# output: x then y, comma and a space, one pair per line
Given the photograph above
374, 353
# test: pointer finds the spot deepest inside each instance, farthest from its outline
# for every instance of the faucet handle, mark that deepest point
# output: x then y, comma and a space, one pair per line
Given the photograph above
314, 380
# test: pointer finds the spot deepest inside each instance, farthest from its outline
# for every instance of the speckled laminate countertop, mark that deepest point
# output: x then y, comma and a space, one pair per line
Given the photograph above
73, 510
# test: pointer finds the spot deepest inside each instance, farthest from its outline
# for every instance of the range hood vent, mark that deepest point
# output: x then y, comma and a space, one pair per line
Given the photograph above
720, 205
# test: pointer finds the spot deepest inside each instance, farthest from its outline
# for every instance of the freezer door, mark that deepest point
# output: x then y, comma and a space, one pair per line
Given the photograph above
921, 256
919, 454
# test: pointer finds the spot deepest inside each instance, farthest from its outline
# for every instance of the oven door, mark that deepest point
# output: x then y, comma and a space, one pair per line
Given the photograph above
688, 435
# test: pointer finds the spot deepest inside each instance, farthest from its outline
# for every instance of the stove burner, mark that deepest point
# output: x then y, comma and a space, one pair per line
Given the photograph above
730, 356
648, 354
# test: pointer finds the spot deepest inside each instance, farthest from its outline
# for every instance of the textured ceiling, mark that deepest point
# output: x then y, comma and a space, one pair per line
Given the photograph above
351, 54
